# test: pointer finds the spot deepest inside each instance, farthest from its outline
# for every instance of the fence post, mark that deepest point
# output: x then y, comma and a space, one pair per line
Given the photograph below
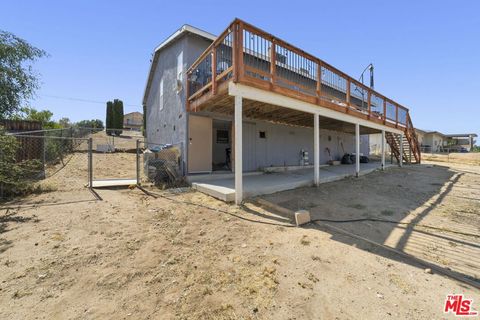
44, 157
138, 162
90, 163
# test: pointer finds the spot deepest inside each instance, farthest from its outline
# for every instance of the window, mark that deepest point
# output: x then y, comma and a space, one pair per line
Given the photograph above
160, 95
222, 136
262, 135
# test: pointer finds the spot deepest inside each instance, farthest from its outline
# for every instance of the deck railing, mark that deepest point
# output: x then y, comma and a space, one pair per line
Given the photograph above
246, 54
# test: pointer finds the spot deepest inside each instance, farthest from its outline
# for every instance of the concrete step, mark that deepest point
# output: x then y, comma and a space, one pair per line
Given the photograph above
217, 175
219, 192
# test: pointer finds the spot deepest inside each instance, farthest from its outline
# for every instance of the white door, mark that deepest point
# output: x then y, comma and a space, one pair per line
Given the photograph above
249, 147
199, 144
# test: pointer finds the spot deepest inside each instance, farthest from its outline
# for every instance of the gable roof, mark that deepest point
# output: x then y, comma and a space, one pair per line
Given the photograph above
133, 113
171, 39
430, 132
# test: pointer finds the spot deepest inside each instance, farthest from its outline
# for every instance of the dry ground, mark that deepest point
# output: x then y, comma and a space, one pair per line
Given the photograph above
472, 158
184, 255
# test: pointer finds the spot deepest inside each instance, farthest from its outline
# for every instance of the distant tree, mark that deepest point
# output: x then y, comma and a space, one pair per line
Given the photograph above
118, 116
18, 81
65, 122
109, 117
95, 124
32, 114
114, 119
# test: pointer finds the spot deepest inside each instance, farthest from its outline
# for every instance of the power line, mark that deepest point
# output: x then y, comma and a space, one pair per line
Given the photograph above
84, 100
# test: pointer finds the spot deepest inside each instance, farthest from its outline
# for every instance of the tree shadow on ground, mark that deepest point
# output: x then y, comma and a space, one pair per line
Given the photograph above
411, 210
9, 219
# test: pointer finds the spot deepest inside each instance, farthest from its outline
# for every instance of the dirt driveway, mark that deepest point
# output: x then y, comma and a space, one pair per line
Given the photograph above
184, 255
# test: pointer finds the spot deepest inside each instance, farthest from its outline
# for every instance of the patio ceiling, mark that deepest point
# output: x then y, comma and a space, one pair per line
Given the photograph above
224, 104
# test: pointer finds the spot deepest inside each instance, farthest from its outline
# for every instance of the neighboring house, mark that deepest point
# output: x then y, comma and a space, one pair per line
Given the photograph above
461, 141
431, 141
282, 113
133, 121
435, 141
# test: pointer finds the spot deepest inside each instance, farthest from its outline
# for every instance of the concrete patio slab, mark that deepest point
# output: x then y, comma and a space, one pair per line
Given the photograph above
268, 183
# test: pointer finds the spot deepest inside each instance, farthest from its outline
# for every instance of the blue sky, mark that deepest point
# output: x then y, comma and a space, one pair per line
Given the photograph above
426, 53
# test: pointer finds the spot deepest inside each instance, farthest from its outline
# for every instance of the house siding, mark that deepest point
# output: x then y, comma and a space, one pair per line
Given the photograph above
283, 144
169, 124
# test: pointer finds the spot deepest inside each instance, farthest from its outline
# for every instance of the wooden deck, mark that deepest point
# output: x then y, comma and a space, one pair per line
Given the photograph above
247, 55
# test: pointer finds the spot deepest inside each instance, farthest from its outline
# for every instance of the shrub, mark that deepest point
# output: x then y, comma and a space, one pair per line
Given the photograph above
16, 177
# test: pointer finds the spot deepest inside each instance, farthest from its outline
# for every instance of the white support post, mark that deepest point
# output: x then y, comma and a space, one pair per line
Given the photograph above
357, 149
316, 149
238, 151
401, 151
383, 149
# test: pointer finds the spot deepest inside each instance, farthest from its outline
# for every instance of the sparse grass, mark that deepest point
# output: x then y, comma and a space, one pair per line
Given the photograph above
304, 241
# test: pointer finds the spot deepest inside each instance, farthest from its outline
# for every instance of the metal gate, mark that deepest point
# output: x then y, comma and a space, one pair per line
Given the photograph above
114, 160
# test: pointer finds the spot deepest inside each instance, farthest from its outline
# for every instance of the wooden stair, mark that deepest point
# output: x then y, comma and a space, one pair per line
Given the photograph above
411, 147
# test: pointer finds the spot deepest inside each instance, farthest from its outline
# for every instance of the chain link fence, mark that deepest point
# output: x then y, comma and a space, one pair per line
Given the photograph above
44, 160
73, 158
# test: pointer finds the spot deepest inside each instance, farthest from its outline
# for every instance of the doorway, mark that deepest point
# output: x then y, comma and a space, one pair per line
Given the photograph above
199, 144
221, 145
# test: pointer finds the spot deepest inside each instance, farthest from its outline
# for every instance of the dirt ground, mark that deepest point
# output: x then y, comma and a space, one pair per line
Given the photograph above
472, 158
179, 254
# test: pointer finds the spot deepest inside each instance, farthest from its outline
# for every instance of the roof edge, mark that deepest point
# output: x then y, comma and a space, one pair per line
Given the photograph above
186, 28
183, 29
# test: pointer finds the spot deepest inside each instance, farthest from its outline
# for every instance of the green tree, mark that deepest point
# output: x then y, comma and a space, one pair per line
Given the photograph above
32, 114
96, 124
118, 116
109, 117
65, 122
18, 81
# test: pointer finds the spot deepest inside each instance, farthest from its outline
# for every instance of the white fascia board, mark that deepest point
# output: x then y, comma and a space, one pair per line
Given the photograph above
247, 92
185, 28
